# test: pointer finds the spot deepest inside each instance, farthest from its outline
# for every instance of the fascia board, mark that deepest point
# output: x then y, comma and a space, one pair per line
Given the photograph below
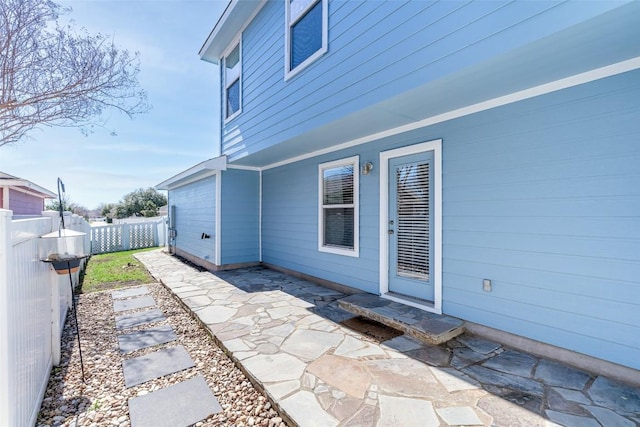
217, 163
29, 185
233, 20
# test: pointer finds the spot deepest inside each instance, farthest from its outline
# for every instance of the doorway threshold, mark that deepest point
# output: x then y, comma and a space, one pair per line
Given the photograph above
423, 325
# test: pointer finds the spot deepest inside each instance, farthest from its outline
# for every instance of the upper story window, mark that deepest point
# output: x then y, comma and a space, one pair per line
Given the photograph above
338, 222
306, 33
232, 82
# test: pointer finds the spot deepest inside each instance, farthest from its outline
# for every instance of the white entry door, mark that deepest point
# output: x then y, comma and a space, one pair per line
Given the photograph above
411, 225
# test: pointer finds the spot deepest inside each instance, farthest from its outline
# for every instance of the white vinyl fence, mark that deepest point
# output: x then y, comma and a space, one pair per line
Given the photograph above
124, 237
33, 305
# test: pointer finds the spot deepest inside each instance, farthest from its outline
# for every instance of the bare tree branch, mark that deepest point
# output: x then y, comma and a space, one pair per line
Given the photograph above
58, 76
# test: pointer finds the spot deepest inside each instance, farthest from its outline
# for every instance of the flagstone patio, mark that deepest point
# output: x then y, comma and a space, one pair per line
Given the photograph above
289, 336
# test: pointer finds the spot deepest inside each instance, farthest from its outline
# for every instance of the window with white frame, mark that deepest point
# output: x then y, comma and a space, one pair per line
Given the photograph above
232, 81
306, 33
338, 217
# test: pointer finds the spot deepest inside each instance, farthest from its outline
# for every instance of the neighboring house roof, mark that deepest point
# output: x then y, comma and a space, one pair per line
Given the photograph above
194, 173
25, 186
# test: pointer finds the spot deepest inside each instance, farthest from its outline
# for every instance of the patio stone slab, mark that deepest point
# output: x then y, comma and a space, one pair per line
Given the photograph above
276, 367
555, 374
365, 416
459, 416
280, 389
403, 343
501, 379
571, 420
342, 373
512, 362
434, 355
479, 345
145, 338
303, 405
572, 395
505, 413
136, 319
155, 365
406, 412
197, 301
406, 376
178, 405
356, 348
557, 402
133, 303
615, 396
608, 418
130, 292
215, 314
454, 380
309, 344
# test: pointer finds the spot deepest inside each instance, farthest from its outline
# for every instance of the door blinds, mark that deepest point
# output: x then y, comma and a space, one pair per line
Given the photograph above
413, 221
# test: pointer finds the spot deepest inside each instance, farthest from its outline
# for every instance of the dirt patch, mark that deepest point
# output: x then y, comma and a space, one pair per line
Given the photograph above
371, 328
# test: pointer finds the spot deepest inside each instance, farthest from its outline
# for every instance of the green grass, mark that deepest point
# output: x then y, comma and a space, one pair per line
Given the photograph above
115, 270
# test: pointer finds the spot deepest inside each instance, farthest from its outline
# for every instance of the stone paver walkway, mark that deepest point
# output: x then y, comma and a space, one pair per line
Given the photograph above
286, 333
177, 405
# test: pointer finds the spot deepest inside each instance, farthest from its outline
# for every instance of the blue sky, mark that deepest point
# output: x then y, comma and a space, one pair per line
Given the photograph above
181, 129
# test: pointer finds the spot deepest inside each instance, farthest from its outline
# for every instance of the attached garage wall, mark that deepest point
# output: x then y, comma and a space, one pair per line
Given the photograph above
195, 214
240, 213
542, 197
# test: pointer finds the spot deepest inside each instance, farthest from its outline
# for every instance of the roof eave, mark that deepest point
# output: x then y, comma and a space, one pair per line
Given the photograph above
189, 175
233, 20
34, 188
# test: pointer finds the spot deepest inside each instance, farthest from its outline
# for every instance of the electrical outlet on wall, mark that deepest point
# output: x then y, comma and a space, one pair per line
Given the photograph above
486, 285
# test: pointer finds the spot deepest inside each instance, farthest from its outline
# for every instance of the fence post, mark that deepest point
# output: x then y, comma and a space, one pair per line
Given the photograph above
125, 236
87, 238
6, 408
160, 226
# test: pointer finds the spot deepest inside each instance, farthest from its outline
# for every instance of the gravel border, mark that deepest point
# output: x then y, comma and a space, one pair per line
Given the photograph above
102, 399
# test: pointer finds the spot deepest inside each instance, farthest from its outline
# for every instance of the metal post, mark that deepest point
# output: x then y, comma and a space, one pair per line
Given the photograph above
75, 318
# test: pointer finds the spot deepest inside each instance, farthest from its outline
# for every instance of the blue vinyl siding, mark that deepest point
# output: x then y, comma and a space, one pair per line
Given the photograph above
290, 225
542, 197
240, 216
195, 207
376, 50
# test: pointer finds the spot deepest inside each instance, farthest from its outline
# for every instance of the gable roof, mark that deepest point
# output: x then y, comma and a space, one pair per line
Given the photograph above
26, 186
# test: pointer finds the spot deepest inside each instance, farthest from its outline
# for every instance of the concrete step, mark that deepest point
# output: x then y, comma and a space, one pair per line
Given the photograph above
425, 326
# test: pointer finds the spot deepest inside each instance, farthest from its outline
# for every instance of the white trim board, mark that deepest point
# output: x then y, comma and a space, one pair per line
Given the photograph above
355, 252
436, 147
246, 168
260, 218
218, 217
543, 89
216, 163
191, 180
